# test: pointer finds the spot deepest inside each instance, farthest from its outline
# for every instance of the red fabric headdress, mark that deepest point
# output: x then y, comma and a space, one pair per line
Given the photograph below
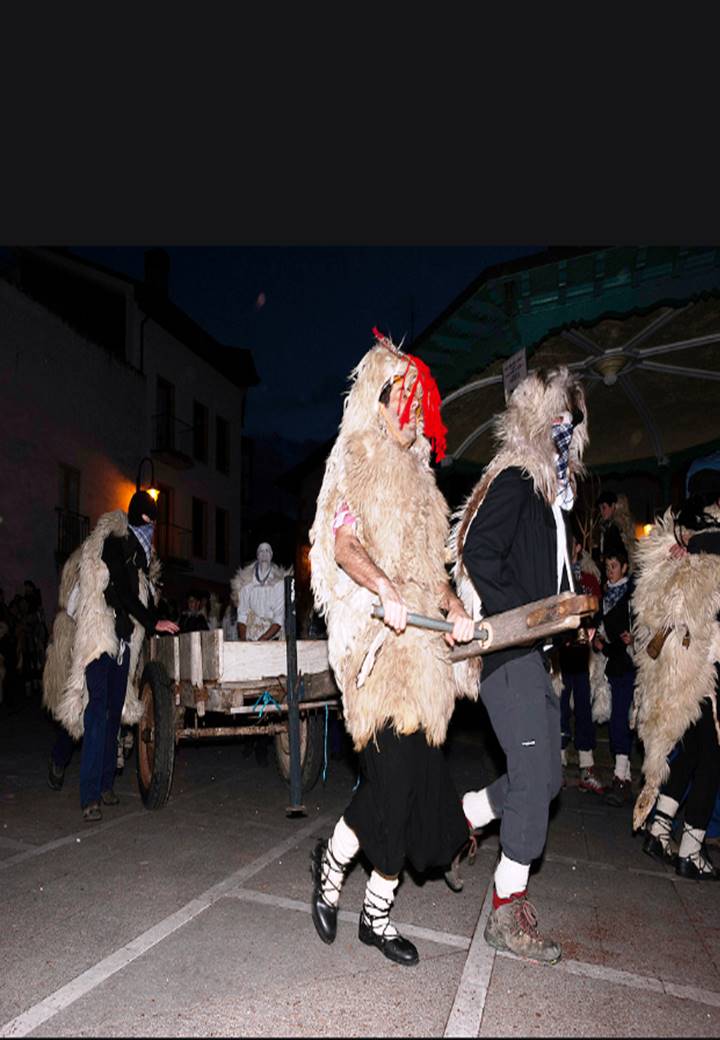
429, 397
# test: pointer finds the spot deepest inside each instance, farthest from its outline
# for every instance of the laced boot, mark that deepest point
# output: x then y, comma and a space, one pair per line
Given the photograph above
469, 849
657, 839
325, 871
375, 927
693, 859
478, 814
512, 927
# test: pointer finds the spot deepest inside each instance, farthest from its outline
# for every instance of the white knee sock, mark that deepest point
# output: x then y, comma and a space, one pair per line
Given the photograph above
342, 846
477, 808
622, 767
563, 756
379, 898
510, 877
586, 759
661, 826
667, 805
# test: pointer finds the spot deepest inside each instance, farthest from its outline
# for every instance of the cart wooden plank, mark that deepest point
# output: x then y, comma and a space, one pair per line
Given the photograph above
247, 661
201, 658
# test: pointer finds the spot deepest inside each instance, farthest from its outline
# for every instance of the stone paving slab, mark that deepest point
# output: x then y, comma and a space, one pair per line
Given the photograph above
251, 963
536, 1000
270, 959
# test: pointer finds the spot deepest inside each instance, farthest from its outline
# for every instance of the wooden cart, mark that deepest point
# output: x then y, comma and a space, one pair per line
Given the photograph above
189, 676
286, 689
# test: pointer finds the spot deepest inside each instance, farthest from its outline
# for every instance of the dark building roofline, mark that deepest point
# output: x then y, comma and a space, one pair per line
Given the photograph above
235, 363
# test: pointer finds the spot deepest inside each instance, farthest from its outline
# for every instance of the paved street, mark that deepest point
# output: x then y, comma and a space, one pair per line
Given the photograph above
194, 920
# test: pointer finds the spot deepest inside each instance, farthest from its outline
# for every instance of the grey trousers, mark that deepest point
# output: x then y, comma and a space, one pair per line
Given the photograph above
525, 713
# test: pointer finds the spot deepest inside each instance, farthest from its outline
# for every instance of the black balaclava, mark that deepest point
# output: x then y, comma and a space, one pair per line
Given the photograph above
140, 503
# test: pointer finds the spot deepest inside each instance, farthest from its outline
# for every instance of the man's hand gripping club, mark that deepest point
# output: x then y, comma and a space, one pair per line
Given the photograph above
351, 555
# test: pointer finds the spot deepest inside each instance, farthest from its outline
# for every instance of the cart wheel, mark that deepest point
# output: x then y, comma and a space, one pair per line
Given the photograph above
312, 728
155, 737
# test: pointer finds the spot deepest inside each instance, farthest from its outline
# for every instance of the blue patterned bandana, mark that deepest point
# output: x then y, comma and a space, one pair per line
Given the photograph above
562, 435
144, 535
614, 592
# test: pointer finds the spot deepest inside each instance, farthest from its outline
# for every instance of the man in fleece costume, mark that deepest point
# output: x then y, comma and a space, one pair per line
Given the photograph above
510, 547
107, 604
380, 532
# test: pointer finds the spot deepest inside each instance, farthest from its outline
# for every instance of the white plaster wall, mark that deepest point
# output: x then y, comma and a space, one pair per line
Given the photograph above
64, 399
195, 380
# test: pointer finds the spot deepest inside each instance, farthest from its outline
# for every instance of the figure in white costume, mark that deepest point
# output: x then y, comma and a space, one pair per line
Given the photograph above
259, 592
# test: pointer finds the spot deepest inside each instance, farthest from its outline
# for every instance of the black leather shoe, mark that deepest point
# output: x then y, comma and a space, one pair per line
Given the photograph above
686, 868
396, 949
652, 846
323, 914
55, 775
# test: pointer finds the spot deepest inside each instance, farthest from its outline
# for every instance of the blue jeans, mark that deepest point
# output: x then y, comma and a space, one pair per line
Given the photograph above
577, 685
619, 732
106, 682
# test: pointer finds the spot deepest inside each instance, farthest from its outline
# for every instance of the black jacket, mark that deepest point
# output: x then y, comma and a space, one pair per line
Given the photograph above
124, 559
510, 552
616, 621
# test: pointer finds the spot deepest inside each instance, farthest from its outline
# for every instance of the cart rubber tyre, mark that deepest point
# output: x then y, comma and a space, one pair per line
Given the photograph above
155, 741
312, 729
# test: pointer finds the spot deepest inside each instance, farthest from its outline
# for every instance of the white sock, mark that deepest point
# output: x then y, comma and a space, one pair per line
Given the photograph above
379, 898
691, 844
661, 827
667, 805
342, 845
563, 756
477, 808
622, 767
510, 877
586, 759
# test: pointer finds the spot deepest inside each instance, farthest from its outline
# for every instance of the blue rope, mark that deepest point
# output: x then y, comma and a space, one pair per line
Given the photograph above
325, 747
264, 700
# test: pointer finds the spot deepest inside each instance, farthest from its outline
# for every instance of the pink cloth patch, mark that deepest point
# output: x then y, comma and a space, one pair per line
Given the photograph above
343, 516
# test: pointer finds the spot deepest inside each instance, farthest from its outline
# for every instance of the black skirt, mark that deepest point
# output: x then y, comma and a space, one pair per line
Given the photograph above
406, 805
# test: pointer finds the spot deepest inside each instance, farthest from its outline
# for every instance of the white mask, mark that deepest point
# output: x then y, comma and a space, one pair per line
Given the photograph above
264, 557
264, 553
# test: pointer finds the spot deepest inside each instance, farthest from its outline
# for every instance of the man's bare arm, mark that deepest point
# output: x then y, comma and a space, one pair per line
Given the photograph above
351, 555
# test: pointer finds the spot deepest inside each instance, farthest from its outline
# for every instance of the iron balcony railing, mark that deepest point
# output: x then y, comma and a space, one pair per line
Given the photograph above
72, 530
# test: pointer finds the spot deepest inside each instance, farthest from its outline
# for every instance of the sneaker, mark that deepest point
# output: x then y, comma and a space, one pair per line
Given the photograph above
589, 781
109, 798
619, 793
92, 812
513, 927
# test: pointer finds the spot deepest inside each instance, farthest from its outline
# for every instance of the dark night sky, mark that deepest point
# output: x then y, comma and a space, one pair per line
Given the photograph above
321, 303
